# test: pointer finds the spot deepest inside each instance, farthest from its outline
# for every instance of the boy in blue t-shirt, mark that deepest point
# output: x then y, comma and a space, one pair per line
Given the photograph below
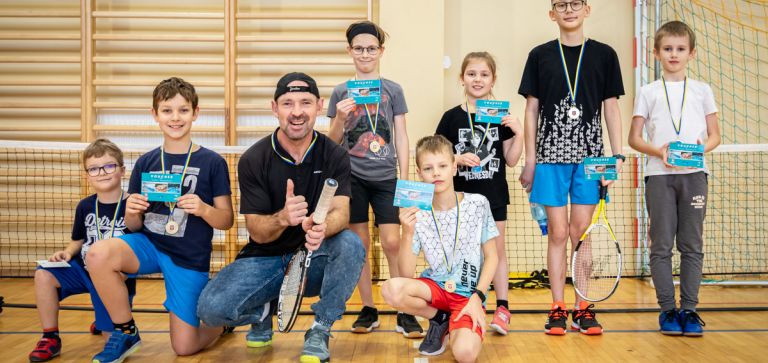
98, 216
173, 238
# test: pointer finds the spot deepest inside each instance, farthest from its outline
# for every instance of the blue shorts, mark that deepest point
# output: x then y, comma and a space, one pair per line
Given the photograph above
182, 286
74, 280
553, 183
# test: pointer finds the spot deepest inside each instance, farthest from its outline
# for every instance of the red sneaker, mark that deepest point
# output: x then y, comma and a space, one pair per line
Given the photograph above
584, 320
47, 349
500, 322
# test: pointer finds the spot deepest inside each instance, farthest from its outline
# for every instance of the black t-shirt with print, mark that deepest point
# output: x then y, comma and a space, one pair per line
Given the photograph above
491, 180
558, 138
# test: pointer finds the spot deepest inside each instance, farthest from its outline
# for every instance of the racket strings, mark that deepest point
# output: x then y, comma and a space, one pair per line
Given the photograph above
597, 265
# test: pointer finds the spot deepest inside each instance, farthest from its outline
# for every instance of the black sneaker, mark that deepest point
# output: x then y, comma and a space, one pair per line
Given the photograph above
584, 320
407, 324
557, 320
366, 321
436, 340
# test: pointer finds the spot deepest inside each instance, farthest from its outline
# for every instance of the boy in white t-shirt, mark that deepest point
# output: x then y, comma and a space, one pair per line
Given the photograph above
454, 237
674, 109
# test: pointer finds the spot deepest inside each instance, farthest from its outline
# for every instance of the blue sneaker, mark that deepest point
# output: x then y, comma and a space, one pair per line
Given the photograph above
260, 334
118, 347
691, 323
669, 323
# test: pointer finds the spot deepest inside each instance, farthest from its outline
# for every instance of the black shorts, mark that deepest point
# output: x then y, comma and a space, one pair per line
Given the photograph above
380, 195
499, 214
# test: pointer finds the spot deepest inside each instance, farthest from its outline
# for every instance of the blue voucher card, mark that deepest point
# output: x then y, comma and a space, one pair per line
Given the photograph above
491, 111
600, 168
365, 91
414, 194
161, 187
686, 155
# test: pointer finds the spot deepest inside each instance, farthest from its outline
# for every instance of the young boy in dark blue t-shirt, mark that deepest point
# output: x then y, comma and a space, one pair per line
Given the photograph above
174, 238
98, 216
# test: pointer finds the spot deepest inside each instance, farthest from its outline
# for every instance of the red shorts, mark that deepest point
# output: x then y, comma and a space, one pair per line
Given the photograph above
452, 302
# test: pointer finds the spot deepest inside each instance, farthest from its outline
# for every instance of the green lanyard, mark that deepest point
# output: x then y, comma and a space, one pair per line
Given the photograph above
172, 205
679, 124
114, 217
456, 237
289, 161
472, 125
573, 87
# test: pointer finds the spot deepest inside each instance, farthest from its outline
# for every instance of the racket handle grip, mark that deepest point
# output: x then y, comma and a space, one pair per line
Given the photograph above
603, 191
324, 202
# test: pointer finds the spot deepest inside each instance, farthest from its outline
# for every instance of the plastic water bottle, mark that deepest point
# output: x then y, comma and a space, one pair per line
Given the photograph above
539, 214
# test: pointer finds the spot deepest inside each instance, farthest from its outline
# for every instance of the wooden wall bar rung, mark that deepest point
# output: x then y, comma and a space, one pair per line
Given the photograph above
38, 36
264, 84
39, 14
300, 16
293, 61
32, 127
161, 37
156, 15
25, 105
269, 129
150, 82
39, 82
289, 39
38, 59
158, 60
147, 106
152, 128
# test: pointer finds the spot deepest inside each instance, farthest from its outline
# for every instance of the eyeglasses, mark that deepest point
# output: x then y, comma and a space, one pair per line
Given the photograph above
372, 50
562, 7
96, 170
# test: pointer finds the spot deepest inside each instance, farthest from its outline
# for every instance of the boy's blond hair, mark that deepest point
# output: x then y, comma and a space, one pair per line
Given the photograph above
674, 28
171, 87
99, 148
434, 144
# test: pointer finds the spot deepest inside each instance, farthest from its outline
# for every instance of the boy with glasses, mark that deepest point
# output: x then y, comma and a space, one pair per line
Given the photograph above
565, 83
97, 217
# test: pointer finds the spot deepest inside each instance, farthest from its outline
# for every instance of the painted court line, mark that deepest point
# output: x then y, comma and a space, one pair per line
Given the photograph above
519, 331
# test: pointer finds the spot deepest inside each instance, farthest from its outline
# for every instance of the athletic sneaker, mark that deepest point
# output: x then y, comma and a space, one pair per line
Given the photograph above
669, 323
407, 324
46, 349
316, 345
691, 323
366, 320
118, 347
436, 340
557, 320
260, 334
584, 320
500, 320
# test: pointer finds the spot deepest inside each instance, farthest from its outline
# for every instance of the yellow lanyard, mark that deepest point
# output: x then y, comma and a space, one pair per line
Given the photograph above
114, 217
679, 124
573, 87
172, 205
456, 237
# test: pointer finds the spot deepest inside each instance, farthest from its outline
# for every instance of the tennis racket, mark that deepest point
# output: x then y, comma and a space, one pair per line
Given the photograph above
596, 261
292, 289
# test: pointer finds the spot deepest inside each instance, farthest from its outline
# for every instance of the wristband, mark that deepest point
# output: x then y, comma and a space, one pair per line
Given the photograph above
620, 157
480, 295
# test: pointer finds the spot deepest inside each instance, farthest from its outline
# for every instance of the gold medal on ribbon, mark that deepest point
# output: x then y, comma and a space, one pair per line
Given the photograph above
374, 146
574, 113
171, 227
450, 286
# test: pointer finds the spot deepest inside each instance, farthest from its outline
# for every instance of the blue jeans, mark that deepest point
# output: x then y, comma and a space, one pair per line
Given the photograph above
236, 296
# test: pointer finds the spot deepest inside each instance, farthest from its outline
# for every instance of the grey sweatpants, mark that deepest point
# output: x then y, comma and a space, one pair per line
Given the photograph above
677, 205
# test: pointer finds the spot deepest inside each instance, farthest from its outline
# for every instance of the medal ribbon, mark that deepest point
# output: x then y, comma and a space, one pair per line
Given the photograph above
114, 217
679, 123
172, 205
440, 234
573, 87
289, 161
472, 125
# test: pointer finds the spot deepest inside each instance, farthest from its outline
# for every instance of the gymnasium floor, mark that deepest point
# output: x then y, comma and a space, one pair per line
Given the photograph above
730, 336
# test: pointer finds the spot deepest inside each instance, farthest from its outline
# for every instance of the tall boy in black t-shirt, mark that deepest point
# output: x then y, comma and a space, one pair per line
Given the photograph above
565, 82
172, 238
